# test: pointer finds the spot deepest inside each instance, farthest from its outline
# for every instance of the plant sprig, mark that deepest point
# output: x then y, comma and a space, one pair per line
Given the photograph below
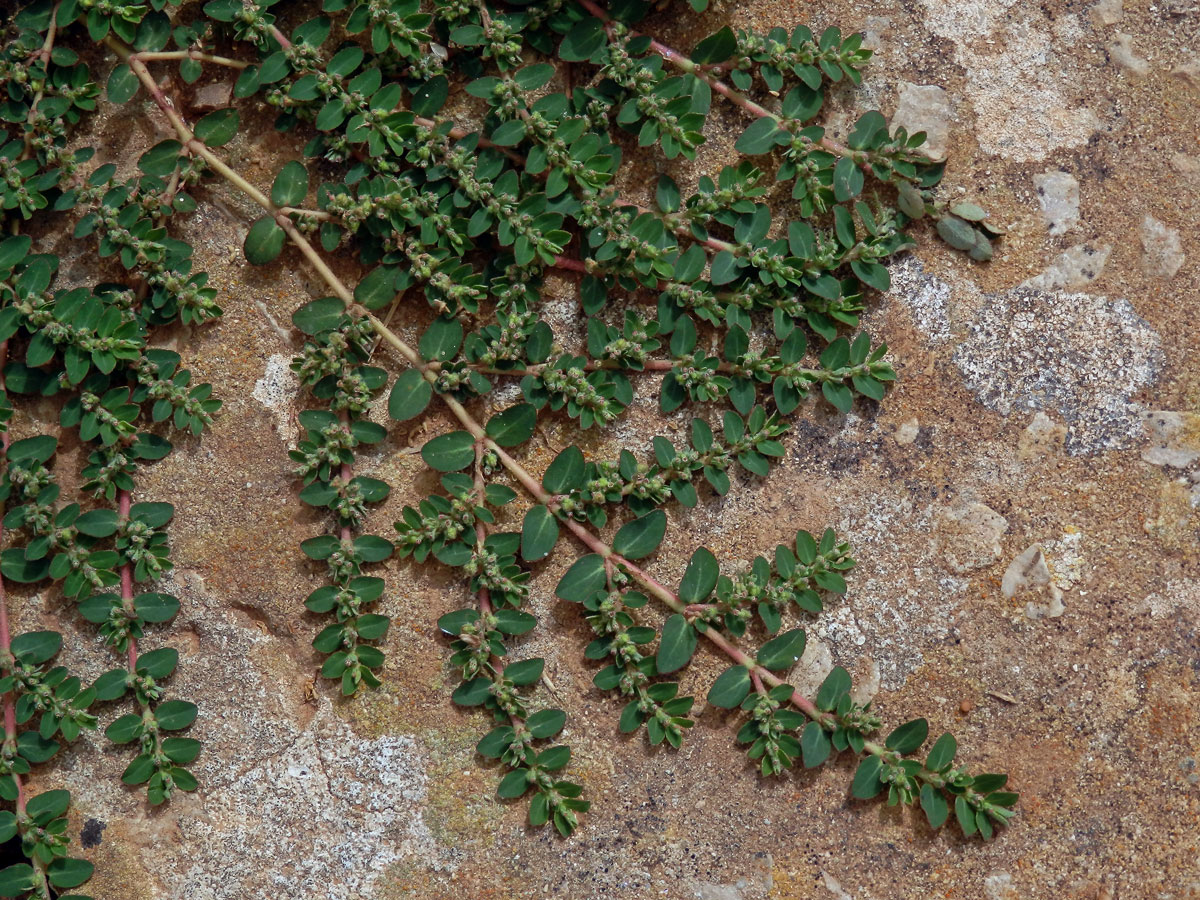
740, 300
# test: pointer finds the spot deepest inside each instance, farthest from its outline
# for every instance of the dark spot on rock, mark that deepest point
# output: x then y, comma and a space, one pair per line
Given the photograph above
92, 830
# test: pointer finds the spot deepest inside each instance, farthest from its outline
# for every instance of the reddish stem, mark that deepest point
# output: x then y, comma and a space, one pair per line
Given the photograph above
124, 502
10, 709
573, 265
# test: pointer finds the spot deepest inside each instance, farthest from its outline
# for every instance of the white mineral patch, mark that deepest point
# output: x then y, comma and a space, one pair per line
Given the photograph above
969, 536
1122, 52
1177, 598
1108, 12
1058, 196
1029, 574
277, 391
340, 810
1173, 438
1018, 78
926, 297
811, 669
1162, 252
925, 107
1082, 355
1073, 269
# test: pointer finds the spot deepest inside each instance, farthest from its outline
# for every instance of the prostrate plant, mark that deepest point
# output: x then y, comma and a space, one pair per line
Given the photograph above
79, 331
755, 283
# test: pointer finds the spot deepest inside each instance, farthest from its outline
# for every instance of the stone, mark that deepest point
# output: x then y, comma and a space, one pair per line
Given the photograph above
1162, 253
1073, 269
812, 668
1058, 196
1120, 51
999, 886
925, 107
1187, 166
1041, 437
906, 432
213, 96
1082, 355
866, 686
1030, 574
1177, 598
969, 536
1174, 438
1107, 12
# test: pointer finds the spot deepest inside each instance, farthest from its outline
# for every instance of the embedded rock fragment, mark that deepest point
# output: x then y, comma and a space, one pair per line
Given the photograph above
969, 536
925, 107
1058, 195
1029, 574
1073, 269
1162, 253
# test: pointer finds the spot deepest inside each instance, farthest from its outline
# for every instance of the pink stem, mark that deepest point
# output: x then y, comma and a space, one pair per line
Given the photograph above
124, 502
10, 709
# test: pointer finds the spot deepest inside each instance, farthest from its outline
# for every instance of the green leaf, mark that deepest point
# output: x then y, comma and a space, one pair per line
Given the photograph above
35, 647
449, 452
716, 48
941, 754
847, 180
585, 577
815, 745
441, 340
677, 644
525, 672
291, 185
217, 128
908, 737
866, 782
782, 652
16, 880
175, 714
513, 426
546, 723
13, 250
156, 607
99, 523
431, 96
377, 288
565, 473
319, 315
513, 785
122, 84
730, 688
641, 537
264, 242
155, 515
49, 805
937, 810
759, 138
410, 395
700, 577
15, 567
157, 664
965, 815
539, 534
836, 683
473, 692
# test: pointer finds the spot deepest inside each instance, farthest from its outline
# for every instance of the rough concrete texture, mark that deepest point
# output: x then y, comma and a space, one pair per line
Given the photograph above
1058, 418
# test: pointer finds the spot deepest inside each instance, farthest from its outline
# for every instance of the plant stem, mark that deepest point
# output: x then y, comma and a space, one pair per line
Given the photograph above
10, 709
149, 56
124, 501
